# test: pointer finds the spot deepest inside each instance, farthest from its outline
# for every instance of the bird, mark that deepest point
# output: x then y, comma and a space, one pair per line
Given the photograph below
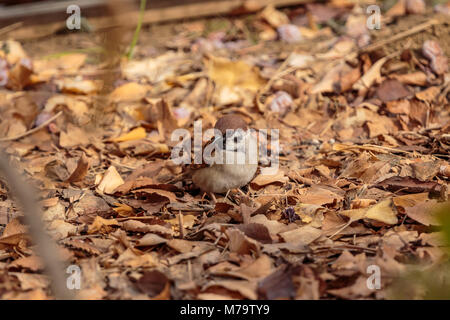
239, 141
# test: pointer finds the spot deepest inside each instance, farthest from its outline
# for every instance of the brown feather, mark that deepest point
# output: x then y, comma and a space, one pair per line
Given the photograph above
230, 121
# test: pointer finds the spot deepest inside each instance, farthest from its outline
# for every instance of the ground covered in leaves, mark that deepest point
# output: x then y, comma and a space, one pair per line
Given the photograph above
363, 118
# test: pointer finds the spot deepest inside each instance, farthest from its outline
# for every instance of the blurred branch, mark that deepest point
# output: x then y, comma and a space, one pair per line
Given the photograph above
46, 247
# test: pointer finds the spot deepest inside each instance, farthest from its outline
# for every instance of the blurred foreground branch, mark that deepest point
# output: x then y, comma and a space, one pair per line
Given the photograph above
46, 247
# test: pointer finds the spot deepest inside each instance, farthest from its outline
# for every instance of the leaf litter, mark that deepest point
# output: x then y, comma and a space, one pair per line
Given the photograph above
364, 158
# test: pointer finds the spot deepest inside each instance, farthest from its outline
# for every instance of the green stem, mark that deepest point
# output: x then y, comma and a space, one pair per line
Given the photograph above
138, 29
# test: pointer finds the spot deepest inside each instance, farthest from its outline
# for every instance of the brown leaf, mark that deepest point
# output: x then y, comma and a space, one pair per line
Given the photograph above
135, 134
256, 231
145, 183
131, 91
359, 289
14, 227
150, 239
409, 185
240, 243
425, 170
235, 288
423, 212
83, 246
155, 284
383, 211
274, 17
371, 76
32, 263
416, 78
392, 90
73, 137
30, 281
435, 239
137, 226
279, 284
19, 75
56, 170
301, 236
409, 200
320, 196
156, 195
265, 179
333, 223
259, 268
129, 258
398, 106
102, 225
398, 9
110, 181
81, 170
429, 94
274, 227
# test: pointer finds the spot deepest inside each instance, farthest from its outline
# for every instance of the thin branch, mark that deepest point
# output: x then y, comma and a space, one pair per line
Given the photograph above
46, 247
398, 36
27, 133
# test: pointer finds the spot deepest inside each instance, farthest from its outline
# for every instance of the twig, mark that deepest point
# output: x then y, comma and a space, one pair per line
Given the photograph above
341, 228
345, 247
400, 35
189, 267
371, 147
32, 130
278, 74
5, 255
10, 28
180, 221
46, 247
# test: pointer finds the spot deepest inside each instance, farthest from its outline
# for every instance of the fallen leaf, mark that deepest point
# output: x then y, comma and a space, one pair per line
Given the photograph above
130, 259
383, 211
31, 263
135, 134
150, 239
274, 17
301, 236
392, 90
371, 76
155, 284
423, 213
245, 289
81, 170
110, 181
131, 91
409, 185
102, 225
278, 285
240, 243
262, 180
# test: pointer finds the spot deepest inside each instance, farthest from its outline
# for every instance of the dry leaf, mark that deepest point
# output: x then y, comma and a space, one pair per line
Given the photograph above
81, 170
383, 211
131, 91
110, 181
102, 225
301, 236
135, 134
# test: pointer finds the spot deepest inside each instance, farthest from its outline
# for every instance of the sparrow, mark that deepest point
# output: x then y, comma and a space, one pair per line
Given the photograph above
236, 142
